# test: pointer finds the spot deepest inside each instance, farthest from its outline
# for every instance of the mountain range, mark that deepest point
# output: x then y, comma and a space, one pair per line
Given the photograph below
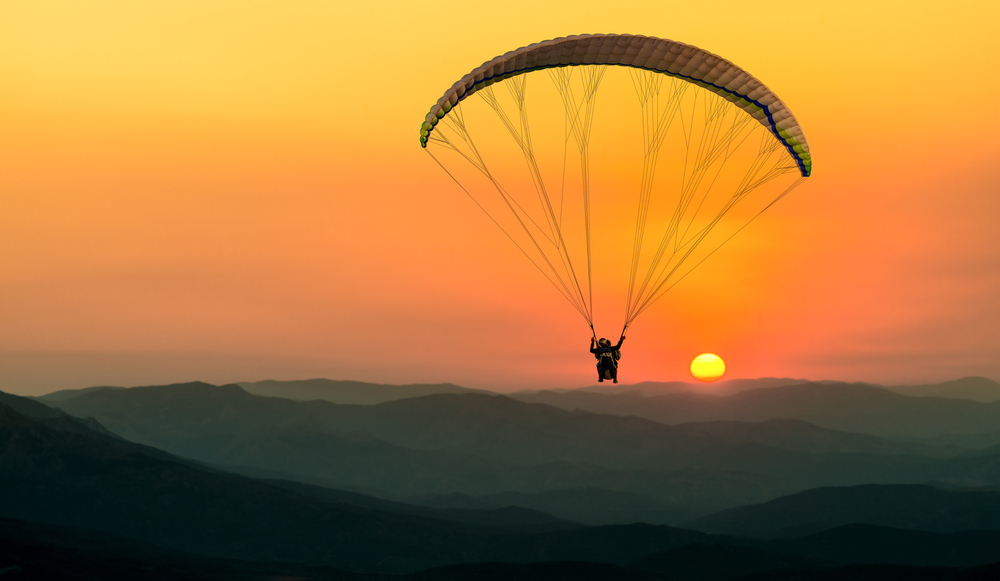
179, 514
978, 389
348, 392
481, 444
356, 392
201, 481
915, 507
858, 408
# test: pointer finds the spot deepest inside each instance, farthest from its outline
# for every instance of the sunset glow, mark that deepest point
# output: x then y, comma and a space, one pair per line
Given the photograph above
229, 192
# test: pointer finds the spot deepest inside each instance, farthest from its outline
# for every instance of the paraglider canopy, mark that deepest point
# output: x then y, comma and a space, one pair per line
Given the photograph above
711, 135
660, 55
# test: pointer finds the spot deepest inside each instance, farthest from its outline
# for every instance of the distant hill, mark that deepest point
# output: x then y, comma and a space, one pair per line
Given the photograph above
348, 392
654, 388
593, 506
858, 408
52, 417
916, 507
29, 407
978, 389
64, 394
512, 517
974, 388
803, 436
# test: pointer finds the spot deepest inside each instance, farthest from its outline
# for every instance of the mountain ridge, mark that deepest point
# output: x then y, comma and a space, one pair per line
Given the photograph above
902, 506
482, 444
856, 408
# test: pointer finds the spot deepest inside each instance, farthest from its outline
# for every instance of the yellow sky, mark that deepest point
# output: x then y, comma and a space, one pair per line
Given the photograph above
234, 191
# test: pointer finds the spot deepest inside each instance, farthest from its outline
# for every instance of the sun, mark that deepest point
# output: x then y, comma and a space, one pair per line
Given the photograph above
708, 367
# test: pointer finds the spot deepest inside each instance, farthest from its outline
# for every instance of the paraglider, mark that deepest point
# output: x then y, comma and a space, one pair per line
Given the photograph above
701, 164
607, 358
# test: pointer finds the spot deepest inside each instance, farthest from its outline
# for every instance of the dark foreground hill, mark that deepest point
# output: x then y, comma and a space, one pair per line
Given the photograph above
39, 551
912, 555
859, 543
915, 507
42, 551
880, 573
716, 561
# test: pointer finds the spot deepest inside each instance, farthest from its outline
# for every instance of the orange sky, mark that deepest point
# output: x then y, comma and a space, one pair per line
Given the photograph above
234, 191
